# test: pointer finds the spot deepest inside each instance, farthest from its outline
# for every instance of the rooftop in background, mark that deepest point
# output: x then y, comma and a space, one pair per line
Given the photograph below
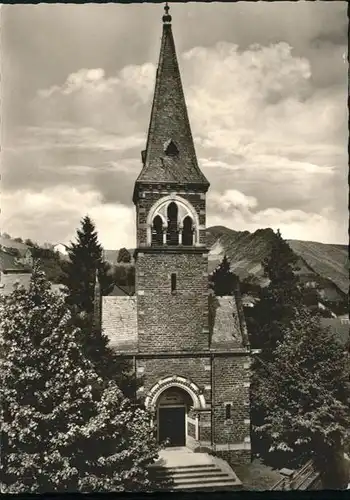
11, 243
10, 263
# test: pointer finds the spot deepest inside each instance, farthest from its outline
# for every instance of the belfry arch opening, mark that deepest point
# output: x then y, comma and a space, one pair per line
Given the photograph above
178, 223
157, 231
187, 231
172, 231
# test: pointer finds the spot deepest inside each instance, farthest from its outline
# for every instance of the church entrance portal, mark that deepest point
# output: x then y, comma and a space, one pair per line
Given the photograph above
172, 426
173, 407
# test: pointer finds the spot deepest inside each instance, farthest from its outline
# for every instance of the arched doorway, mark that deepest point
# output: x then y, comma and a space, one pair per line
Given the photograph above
172, 408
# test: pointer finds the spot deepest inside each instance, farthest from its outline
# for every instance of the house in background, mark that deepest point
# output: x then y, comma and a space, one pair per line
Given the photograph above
20, 251
60, 248
12, 273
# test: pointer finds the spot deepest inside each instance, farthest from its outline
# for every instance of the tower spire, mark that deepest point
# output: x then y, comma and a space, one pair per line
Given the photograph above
170, 156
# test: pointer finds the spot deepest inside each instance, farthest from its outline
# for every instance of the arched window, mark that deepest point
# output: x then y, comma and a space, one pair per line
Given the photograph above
172, 237
187, 231
157, 231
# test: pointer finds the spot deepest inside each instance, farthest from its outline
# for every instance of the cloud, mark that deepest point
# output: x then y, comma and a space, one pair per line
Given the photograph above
262, 128
247, 102
90, 99
232, 200
241, 213
30, 214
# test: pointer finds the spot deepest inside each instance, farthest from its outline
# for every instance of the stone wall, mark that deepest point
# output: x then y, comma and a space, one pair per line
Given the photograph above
155, 369
172, 321
231, 386
235, 457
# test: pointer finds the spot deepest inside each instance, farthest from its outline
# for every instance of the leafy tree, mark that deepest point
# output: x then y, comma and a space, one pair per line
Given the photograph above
120, 275
6, 236
29, 242
124, 276
223, 280
305, 392
85, 257
50, 263
18, 239
124, 256
279, 301
267, 321
63, 430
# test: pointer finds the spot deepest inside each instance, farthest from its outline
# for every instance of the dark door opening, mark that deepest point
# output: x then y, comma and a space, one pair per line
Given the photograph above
171, 423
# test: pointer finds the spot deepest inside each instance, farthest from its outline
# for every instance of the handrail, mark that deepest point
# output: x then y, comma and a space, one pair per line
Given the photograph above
298, 480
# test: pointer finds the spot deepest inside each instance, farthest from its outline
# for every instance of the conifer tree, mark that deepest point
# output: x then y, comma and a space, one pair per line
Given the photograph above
85, 265
223, 280
85, 257
63, 429
305, 392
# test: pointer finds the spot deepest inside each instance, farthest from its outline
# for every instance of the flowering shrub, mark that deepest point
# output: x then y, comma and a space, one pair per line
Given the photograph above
62, 428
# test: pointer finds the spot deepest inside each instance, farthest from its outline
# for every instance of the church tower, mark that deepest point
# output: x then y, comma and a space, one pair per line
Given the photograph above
169, 194
189, 348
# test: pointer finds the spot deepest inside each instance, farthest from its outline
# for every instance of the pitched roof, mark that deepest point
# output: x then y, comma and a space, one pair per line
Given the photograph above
122, 291
169, 128
11, 243
119, 322
9, 262
226, 324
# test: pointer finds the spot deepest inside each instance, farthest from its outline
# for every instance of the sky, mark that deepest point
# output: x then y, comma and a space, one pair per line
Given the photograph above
266, 89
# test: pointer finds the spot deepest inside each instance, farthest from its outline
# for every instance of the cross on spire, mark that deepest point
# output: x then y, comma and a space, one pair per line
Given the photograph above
167, 16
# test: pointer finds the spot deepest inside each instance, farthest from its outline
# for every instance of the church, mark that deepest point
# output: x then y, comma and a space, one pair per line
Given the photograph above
189, 349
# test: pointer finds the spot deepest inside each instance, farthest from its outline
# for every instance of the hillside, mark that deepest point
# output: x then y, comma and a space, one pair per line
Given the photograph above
324, 263
15, 255
329, 261
11, 243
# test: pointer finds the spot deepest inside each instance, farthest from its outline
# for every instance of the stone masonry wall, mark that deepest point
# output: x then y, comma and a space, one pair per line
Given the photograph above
235, 457
172, 321
154, 369
205, 427
231, 379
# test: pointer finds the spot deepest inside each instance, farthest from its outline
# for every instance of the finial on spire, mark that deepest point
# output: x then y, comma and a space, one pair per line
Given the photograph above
167, 16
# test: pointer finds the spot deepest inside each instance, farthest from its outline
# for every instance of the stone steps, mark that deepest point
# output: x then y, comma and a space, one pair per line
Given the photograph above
196, 477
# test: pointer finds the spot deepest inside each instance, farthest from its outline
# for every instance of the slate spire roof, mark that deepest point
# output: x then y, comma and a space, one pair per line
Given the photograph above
170, 154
